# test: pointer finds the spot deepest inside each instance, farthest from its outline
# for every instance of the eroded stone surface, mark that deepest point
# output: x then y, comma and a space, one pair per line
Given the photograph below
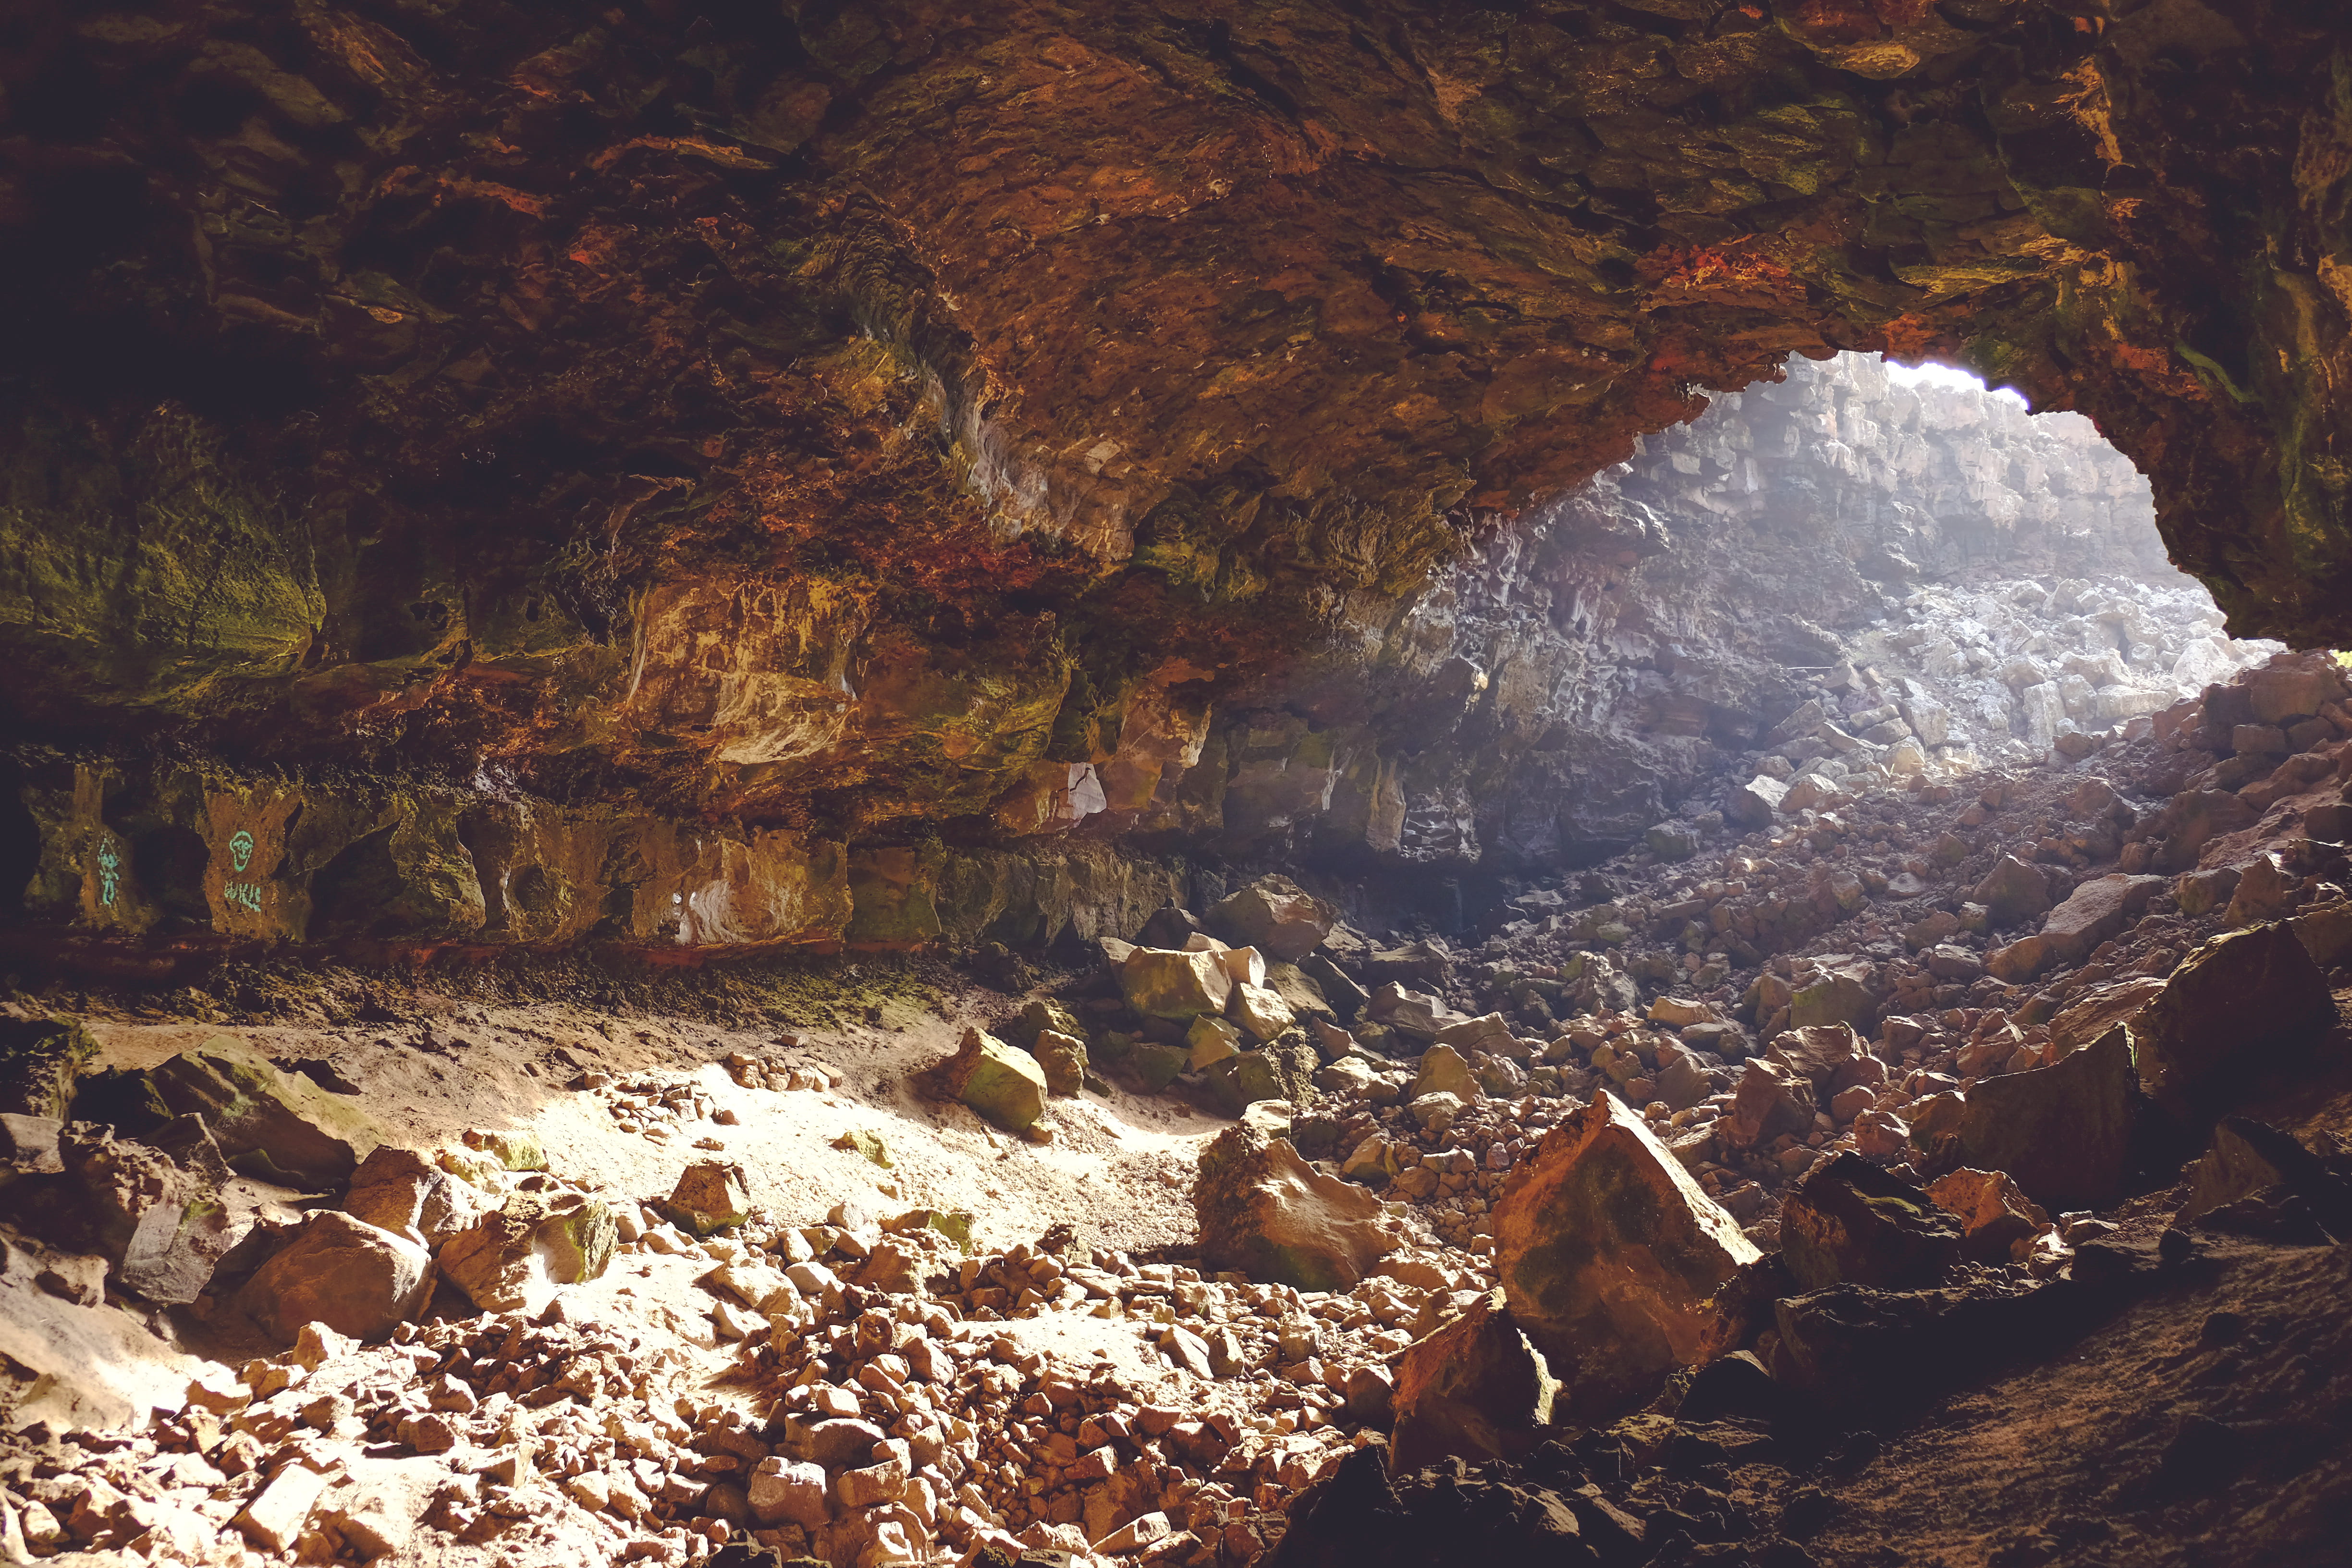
1608, 1253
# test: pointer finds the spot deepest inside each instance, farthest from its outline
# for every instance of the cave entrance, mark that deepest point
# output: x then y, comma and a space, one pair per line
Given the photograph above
1961, 582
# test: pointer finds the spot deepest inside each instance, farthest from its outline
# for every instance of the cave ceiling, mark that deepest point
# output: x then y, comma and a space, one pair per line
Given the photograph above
778, 409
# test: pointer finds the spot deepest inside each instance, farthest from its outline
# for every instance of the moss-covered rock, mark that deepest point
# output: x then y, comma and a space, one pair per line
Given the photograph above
276, 1125
512, 1258
1004, 1084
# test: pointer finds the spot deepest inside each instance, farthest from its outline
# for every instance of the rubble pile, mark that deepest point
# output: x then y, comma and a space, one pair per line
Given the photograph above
1682, 1171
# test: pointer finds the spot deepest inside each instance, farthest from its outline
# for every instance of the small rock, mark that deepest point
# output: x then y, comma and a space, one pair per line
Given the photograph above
1002, 1083
712, 1196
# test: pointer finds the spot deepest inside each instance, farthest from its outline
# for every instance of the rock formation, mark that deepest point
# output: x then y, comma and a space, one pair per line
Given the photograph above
896, 786
620, 484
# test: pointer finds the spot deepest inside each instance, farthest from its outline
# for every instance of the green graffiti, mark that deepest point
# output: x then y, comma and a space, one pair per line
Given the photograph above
240, 849
110, 871
243, 896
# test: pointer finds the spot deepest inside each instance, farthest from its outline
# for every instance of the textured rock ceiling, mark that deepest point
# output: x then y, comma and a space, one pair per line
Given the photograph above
786, 408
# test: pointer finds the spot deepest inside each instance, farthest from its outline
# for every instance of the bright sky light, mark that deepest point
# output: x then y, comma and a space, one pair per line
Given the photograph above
1934, 374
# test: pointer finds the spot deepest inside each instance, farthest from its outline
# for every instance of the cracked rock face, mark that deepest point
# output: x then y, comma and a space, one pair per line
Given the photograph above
854, 421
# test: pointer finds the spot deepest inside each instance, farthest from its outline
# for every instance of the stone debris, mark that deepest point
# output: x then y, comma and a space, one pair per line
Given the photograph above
1748, 1118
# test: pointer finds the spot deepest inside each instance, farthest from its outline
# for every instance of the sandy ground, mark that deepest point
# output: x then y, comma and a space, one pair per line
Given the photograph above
1116, 1170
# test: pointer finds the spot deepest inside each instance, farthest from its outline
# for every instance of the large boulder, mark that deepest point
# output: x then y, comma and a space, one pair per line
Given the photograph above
1819, 1052
400, 1190
512, 1258
277, 1126
2098, 910
1005, 1085
1276, 916
158, 1223
1260, 1010
1609, 1254
1282, 1069
1839, 993
2012, 891
1857, 1350
1063, 1058
710, 1195
1162, 983
1475, 1390
1265, 1212
1755, 803
2253, 1160
2065, 1131
355, 1278
1445, 1071
1848, 1222
2232, 1005
1413, 1013
41, 1061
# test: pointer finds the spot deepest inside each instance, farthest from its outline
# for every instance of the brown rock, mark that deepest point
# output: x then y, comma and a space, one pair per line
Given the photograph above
1881, 1135
1269, 1214
160, 1225
1848, 1222
711, 1195
790, 1492
1004, 1084
28, 1144
2019, 960
340, 1271
276, 1125
1839, 993
1819, 1052
1159, 984
2092, 913
2248, 1159
2092, 1013
2012, 891
2266, 891
2063, 1131
399, 1189
1998, 1221
2238, 1000
1608, 1253
513, 1257
1771, 1100
1275, 916
1476, 1389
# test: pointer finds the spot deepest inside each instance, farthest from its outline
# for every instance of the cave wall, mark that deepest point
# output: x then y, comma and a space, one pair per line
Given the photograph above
900, 427
1561, 685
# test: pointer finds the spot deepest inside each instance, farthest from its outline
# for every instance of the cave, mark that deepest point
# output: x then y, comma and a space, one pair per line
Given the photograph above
1354, 782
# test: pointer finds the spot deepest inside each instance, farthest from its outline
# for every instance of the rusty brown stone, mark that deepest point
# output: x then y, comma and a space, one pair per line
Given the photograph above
1609, 1254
